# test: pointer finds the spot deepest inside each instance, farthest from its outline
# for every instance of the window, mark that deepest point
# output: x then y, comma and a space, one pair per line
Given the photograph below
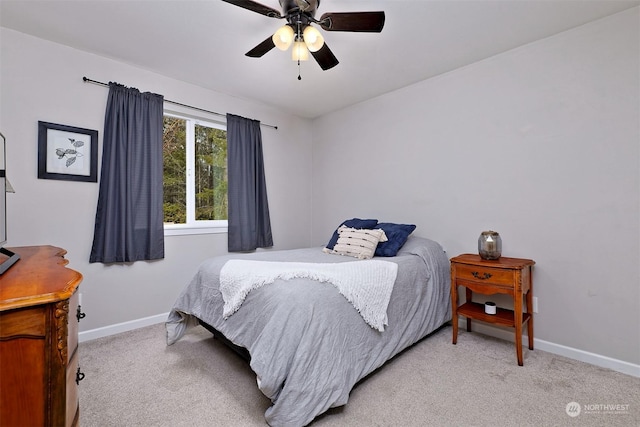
195, 175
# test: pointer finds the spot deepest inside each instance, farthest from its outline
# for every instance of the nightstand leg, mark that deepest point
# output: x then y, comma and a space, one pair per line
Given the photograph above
530, 321
454, 322
530, 310
454, 310
519, 344
469, 298
517, 317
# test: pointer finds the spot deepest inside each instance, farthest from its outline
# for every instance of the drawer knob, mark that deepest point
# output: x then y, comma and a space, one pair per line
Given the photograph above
80, 314
79, 376
483, 276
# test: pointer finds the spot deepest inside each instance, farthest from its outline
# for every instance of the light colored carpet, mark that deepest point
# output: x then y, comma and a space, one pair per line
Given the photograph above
134, 379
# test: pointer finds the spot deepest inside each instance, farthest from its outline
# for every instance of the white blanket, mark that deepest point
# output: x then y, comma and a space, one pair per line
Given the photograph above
366, 284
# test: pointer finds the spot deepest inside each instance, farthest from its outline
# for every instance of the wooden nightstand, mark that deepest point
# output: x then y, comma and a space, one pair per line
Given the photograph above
511, 276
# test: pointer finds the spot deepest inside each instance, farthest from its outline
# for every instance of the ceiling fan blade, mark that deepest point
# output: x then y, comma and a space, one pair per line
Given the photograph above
256, 7
262, 48
325, 58
367, 22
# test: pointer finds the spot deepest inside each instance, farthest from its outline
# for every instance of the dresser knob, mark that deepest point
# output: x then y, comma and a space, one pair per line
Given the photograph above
80, 314
79, 376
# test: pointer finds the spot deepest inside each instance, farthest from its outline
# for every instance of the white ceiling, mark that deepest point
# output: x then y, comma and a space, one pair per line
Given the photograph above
203, 42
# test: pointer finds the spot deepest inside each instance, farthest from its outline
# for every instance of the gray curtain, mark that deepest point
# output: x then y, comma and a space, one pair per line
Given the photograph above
248, 216
129, 217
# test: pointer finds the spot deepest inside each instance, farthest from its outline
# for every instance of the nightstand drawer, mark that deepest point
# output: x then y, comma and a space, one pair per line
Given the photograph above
474, 273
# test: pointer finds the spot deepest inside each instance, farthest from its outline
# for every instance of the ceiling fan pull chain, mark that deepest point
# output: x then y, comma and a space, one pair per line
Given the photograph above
299, 77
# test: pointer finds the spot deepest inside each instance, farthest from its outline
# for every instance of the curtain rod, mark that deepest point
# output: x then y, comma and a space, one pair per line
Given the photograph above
86, 79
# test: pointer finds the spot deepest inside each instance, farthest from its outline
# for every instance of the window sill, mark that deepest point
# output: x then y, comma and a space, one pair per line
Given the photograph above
177, 230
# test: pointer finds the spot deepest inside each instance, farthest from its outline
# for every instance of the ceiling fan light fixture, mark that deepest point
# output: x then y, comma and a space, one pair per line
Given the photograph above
313, 39
299, 51
300, 15
283, 37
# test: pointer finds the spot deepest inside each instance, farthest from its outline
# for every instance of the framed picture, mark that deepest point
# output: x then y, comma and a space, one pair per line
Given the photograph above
68, 153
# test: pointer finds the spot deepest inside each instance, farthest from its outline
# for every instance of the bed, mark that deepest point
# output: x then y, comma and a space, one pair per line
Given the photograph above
306, 341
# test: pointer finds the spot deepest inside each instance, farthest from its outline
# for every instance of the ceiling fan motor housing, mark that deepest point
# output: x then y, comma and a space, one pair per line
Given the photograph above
309, 7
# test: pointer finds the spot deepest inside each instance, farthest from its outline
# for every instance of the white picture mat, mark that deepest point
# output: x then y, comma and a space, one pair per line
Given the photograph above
61, 139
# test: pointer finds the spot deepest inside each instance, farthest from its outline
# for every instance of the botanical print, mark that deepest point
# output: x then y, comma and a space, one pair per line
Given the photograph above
71, 154
66, 152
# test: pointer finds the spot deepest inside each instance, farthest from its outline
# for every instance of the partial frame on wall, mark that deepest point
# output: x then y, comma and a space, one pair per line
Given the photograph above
67, 153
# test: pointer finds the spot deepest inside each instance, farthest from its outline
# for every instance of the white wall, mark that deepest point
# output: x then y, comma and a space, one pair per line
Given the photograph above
41, 80
540, 144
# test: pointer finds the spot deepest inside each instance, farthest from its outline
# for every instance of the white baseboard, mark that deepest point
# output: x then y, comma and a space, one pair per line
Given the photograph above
561, 350
122, 327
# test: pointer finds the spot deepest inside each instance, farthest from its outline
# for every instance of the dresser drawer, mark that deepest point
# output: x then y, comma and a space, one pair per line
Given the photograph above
72, 331
23, 322
482, 274
72, 391
22, 389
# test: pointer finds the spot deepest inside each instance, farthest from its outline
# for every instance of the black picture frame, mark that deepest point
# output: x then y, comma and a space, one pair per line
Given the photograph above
67, 153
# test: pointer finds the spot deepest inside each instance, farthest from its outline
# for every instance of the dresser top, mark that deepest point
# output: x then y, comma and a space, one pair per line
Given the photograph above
39, 277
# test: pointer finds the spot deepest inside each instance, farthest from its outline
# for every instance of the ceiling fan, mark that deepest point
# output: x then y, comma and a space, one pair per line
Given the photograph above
305, 38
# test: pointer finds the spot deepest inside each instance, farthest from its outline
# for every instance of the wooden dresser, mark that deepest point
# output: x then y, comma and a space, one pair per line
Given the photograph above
39, 340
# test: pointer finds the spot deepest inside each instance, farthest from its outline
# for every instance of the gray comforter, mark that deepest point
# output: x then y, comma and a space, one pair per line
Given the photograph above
309, 346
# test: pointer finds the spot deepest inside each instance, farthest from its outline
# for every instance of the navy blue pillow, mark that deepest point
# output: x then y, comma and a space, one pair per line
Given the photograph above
397, 235
352, 223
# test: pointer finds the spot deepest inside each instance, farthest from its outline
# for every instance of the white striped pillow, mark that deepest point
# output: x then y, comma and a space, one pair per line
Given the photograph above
360, 244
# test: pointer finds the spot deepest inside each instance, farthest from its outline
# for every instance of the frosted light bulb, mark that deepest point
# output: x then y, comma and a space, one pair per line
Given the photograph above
313, 39
283, 37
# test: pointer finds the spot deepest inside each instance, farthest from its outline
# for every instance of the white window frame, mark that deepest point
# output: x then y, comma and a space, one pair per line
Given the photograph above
192, 226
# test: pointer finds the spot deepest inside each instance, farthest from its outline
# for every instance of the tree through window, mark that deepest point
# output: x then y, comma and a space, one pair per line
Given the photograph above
195, 172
